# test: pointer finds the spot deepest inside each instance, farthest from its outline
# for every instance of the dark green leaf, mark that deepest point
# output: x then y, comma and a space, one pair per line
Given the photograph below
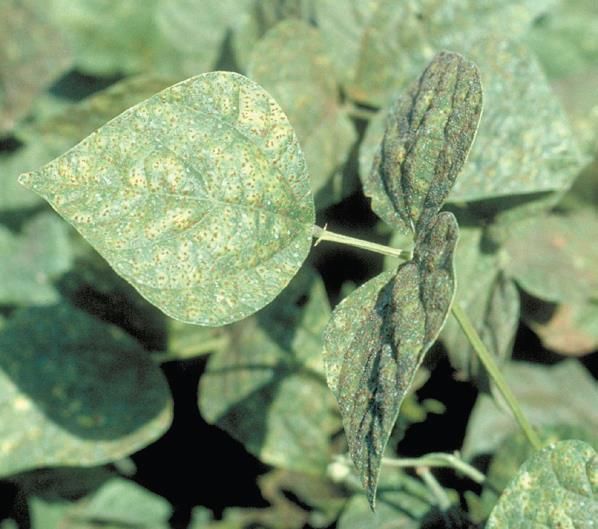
32, 55
539, 389
29, 262
53, 410
198, 196
553, 257
267, 388
429, 131
291, 63
377, 339
556, 487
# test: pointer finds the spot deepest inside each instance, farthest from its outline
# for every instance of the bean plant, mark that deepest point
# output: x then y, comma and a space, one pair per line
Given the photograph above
197, 207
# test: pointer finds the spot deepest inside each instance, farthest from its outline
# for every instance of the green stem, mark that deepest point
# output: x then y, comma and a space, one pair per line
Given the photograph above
437, 459
488, 360
322, 234
435, 488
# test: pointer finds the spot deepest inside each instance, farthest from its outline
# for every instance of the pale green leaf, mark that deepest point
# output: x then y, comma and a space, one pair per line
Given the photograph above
377, 339
60, 130
570, 329
267, 389
291, 63
429, 131
532, 151
553, 258
106, 37
253, 23
403, 503
556, 487
32, 55
381, 45
539, 390
12, 195
31, 260
197, 31
53, 410
514, 451
198, 196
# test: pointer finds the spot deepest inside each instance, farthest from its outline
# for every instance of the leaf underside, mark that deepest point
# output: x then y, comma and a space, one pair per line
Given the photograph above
429, 131
377, 338
198, 196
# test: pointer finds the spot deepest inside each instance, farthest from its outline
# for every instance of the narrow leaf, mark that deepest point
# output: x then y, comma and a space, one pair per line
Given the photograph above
377, 339
557, 487
198, 196
429, 131
53, 411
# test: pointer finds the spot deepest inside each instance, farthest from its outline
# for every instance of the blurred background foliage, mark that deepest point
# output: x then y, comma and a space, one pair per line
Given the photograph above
86, 364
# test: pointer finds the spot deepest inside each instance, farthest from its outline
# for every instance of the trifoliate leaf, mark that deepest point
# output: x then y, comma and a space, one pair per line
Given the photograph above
562, 265
429, 131
198, 196
291, 63
539, 389
273, 370
30, 261
54, 412
556, 487
32, 55
377, 339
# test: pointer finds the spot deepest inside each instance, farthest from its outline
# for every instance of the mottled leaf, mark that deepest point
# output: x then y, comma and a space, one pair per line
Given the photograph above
60, 130
556, 487
53, 410
514, 451
377, 339
570, 329
531, 152
539, 389
31, 260
267, 389
429, 131
32, 55
553, 258
291, 63
198, 196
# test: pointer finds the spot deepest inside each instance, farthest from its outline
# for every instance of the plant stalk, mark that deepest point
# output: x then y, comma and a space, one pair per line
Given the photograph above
322, 234
495, 374
438, 460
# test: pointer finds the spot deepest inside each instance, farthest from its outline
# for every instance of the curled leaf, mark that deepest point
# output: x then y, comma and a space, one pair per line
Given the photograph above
429, 131
377, 338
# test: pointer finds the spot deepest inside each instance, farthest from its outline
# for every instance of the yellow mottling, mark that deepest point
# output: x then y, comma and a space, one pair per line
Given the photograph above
6, 447
21, 404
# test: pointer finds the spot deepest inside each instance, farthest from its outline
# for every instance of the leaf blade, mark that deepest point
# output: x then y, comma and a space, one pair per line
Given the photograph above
207, 233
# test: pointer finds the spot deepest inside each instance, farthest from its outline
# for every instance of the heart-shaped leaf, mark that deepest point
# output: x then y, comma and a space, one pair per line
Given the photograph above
377, 338
429, 131
556, 487
199, 196
74, 391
